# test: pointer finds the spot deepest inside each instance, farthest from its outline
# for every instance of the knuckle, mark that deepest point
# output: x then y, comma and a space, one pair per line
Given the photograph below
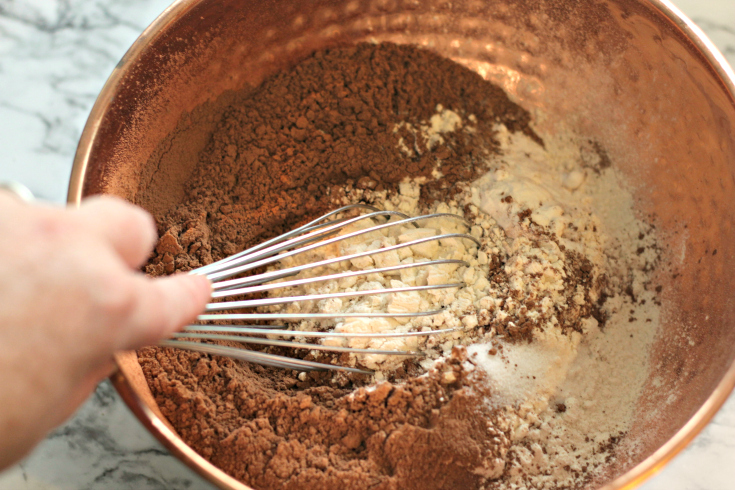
55, 226
100, 204
138, 225
177, 305
128, 217
158, 317
116, 297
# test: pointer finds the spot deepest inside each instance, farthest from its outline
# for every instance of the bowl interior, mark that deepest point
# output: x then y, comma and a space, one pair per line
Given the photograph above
619, 72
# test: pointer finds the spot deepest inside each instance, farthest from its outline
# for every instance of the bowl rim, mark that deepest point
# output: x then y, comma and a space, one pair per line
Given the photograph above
634, 477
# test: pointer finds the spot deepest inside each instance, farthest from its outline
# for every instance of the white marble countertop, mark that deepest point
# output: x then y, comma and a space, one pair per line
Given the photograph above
55, 55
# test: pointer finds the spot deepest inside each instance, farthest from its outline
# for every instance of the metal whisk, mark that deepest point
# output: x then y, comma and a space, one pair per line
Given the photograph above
228, 279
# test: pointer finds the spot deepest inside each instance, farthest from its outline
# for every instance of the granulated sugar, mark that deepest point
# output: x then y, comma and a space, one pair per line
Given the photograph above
522, 371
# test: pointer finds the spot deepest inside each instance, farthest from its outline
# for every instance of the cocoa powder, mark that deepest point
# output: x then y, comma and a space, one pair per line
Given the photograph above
275, 156
266, 431
278, 152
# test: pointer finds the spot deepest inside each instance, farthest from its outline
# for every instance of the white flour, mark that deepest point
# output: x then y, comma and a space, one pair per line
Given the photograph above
567, 397
461, 305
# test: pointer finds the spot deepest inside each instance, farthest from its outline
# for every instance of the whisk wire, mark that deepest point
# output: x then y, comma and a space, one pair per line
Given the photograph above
249, 265
268, 330
309, 316
292, 344
302, 229
230, 288
279, 274
308, 237
256, 303
259, 357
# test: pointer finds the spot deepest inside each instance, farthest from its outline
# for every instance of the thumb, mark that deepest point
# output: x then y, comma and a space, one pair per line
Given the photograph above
163, 306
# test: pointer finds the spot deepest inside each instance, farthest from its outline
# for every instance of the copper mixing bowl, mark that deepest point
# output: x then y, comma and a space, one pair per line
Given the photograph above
634, 75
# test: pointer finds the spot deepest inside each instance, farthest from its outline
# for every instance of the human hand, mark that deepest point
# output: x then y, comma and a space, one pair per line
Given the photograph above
71, 294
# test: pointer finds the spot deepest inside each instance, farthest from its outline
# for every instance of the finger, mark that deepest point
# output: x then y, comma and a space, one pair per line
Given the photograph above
163, 306
130, 230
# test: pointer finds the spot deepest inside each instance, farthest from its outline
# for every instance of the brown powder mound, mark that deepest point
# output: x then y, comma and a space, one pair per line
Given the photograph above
277, 154
430, 432
282, 153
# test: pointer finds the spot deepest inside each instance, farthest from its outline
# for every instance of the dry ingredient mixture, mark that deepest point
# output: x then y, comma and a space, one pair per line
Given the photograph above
538, 382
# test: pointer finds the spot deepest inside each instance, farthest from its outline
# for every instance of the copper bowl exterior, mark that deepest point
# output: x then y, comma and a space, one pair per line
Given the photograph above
635, 75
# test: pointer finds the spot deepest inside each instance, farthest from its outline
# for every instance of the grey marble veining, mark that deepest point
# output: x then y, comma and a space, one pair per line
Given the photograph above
102, 447
54, 58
